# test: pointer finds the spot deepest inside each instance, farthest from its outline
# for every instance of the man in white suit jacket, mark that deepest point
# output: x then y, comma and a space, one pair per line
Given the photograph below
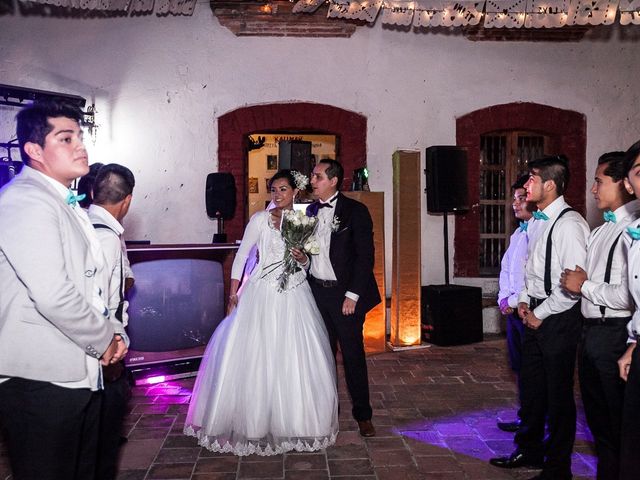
54, 328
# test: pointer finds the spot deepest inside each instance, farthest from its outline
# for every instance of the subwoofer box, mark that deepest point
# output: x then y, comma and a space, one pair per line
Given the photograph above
451, 314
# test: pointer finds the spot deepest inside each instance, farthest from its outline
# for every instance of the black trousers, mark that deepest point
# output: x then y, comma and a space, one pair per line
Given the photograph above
602, 391
347, 331
51, 431
630, 442
115, 398
548, 362
515, 337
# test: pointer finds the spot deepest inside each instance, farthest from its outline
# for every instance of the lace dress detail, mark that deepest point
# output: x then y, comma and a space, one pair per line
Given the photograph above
267, 381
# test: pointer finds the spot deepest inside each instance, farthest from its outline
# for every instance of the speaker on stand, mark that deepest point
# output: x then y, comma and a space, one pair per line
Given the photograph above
220, 198
451, 314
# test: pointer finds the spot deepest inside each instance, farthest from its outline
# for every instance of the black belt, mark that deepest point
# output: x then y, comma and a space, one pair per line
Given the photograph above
611, 321
324, 283
535, 302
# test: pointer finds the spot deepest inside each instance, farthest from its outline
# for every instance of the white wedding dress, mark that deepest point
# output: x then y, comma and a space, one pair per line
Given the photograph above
267, 382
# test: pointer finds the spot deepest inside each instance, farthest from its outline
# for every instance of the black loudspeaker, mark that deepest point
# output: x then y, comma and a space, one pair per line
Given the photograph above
451, 314
220, 195
446, 179
295, 155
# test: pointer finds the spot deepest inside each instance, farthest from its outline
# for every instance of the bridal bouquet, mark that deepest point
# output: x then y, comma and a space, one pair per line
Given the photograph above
297, 230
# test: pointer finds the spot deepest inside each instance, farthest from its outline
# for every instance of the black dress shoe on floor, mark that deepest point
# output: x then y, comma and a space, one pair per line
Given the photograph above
509, 426
516, 460
366, 428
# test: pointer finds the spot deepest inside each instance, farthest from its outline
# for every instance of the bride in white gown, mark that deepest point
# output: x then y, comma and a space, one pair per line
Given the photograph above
267, 382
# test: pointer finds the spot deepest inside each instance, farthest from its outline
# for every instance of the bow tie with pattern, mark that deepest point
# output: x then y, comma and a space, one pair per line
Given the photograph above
634, 232
540, 215
73, 199
523, 226
609, 216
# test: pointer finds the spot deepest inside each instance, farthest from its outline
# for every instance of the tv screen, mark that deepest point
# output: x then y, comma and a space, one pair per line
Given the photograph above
174, 307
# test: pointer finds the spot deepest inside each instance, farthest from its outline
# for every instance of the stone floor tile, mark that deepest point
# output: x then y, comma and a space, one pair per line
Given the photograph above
177, 455
218, 464
350, 467
315, 461
348, 451
433, 464
306, 475
391, 458
139, 454
260, 470
172, 471
129, 474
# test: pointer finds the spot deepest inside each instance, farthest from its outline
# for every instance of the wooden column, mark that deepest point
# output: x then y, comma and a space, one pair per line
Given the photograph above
375, 323
406, 262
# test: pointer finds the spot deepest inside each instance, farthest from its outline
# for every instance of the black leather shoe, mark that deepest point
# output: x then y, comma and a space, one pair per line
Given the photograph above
366, 428
509, 426
516, 460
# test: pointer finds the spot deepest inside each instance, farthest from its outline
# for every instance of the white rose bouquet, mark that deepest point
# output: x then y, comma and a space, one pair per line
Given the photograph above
297, 230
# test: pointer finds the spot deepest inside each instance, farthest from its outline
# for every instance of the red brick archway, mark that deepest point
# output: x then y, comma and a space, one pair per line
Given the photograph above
349, 128
567, 132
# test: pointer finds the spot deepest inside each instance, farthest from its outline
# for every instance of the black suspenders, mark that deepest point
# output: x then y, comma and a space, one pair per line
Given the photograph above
607, 272
547, 258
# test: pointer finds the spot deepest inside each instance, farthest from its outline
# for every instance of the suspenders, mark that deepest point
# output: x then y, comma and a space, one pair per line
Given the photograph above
118, 313
607, 273
547, 258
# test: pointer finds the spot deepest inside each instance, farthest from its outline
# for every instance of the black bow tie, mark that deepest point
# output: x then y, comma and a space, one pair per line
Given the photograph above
322, 205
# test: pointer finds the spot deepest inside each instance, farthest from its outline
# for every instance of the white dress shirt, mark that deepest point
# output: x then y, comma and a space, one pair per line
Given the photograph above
569, 250
114, 257
633, 266
615, 294
512, 268
321, 264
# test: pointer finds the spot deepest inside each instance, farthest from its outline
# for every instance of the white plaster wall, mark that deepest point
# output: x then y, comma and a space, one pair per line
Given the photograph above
160, 83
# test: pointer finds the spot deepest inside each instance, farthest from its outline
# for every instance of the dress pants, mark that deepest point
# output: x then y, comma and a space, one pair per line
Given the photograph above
51, 431
602, 390
115, 398
630, 442
347, 331
548, 362
515, 337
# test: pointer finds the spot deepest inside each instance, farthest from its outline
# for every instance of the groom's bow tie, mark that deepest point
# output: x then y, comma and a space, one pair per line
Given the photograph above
73, 199
323, 205
540, 215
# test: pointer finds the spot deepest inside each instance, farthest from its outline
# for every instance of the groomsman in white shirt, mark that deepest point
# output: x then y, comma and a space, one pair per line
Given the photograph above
557, 240
512, 282
606, 307
629, 363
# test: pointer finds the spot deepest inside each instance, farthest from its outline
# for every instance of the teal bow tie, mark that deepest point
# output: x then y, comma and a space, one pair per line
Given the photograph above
539, 215
634, 232
523, 226
73, 199
609, 216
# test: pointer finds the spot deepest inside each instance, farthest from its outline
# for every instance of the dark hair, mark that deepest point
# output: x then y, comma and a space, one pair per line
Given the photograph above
33, 121
631, 155
112, 184
85, 185
334, 169
286, 174
519, 183
552, 167
615, 165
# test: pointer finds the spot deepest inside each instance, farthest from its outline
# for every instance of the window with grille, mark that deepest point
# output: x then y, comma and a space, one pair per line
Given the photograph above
503, 158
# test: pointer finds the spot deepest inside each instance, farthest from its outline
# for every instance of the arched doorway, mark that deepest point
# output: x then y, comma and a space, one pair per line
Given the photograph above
350, 128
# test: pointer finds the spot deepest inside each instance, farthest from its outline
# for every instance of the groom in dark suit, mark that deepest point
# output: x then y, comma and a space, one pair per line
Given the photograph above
342, 281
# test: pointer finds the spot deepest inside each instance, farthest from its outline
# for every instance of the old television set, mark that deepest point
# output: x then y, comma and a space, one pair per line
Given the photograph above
175, 305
